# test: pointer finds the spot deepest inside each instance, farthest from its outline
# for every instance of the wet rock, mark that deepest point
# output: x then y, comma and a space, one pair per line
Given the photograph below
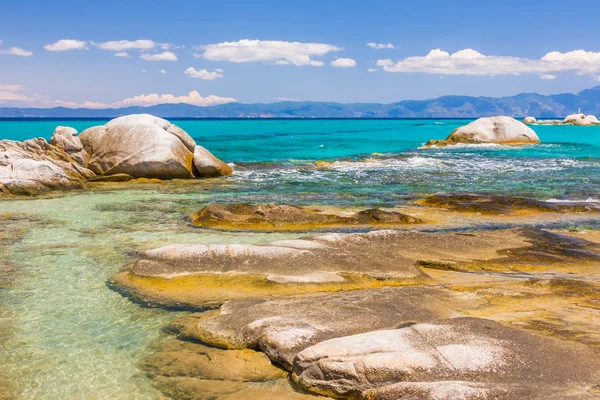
283, 327
208, 166
202, 275
498, 130
139, 145
36, 166
67, 138
285, 217
461, 358
501, 204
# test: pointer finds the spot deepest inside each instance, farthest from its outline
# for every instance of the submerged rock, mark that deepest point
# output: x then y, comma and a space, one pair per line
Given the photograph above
201, 275
36, 166
497, 130
285, 217
461, 358
501, 204
285, 326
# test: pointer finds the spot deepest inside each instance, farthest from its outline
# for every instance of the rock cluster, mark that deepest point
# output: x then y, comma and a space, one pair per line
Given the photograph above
497, 130
573, 119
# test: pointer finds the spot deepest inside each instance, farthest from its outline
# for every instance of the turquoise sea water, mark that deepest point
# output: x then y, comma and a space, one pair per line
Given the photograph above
65, 335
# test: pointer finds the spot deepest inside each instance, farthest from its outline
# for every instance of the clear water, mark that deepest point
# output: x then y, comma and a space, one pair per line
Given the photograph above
65, 335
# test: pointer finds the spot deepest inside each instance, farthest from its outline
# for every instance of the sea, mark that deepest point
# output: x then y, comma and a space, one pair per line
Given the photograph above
65, 334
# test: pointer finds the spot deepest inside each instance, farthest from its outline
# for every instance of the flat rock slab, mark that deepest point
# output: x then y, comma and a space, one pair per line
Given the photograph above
460, 358
291, 218
177, 274
285, 326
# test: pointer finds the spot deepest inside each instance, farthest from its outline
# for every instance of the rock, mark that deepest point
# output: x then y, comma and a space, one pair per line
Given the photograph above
502, 204
529, 120
112, 178
208, 166
580, 120
175, 357
498, 130
67, 138
139, 145
200, 275
323, 164
285, 217
283, 327
461, 358
35, 166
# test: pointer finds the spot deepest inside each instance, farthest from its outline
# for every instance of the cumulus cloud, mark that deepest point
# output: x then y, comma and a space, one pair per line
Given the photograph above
192, 97
121, 45
343, 63
204, 74
122, 54
16, 51
280, 52
380, 46
472, 62
67, 44
162, 71
164, 56
547, 77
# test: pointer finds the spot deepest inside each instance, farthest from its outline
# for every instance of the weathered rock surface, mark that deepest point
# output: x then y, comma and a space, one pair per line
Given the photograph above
285, 217
500, 204
498, 130
285, 326
201, 275
140, 146
35, 166
67, 138
208, 166
461, 358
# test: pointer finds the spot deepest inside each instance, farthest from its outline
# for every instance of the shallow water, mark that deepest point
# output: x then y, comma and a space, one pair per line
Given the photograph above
66, 335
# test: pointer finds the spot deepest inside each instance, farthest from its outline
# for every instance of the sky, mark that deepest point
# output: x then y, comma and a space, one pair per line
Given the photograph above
120, 53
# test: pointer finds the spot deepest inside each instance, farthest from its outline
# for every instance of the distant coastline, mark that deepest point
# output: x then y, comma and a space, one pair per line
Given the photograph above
446, 107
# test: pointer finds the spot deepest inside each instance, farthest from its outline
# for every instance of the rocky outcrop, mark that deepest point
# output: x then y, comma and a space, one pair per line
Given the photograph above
66, 137
581, 120
529, 120
291, 218
201, 275
35, 166
284, 327
461, 358
497, 130
206, 165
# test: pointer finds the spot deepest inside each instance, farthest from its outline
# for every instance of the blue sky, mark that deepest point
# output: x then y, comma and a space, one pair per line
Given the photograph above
263, 51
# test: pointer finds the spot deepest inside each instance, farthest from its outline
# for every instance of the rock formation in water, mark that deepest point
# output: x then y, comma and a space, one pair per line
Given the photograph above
35, 166
497, 130
144, 146
291, 218
573, 119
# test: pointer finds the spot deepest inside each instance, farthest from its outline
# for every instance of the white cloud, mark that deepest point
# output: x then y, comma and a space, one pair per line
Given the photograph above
380, 46
16, 51
384, 62
280, 52
547, 77
121, 45
10, 88
191, 98
372, 70
204, 74
8, 93
122, 54
67, 44
285, 99
164, 56
472, 62
343, 63
144, 70
162, 71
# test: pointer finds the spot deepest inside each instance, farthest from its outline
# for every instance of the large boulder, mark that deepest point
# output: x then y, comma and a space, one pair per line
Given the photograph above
581, 120
497, 130
67, 138
529, 120
206, 165
142, 146
35, 166
461, 358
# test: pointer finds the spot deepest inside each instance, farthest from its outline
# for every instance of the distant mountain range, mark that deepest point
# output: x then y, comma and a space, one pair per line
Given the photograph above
521, 105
